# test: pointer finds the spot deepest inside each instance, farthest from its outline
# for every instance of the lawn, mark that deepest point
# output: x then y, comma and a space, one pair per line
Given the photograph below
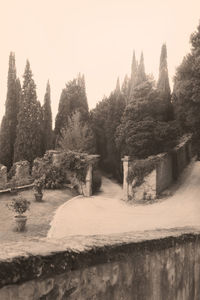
39, 215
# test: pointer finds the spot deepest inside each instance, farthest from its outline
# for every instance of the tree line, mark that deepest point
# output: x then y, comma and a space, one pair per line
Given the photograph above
140, 118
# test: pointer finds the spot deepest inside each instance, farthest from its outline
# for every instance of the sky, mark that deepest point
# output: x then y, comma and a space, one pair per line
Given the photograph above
95, 37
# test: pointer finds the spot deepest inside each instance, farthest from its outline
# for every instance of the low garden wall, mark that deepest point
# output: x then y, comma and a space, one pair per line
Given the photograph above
145, 179
78, 172
162, 265
72, 169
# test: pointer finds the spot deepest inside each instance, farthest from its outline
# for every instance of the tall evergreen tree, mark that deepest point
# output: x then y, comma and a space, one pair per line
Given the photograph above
105, 119
134, 70
73, 98
163, 79
125, 88
29, 133
141, 75
47, 120
117, 89
9, 122
143, 130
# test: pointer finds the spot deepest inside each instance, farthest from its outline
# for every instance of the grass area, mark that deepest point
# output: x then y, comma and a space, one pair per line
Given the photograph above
39, 215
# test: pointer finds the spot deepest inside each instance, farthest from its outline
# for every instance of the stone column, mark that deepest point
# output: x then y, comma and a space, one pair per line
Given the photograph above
87, 190
88, 181
125, 160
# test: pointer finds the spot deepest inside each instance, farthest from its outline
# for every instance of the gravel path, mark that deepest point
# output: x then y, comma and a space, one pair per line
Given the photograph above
106, 213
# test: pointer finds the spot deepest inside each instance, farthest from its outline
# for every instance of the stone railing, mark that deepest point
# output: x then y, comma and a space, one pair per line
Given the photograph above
148, 265
168, 168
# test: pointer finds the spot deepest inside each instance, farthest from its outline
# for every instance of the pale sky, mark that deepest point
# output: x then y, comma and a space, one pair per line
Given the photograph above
95, 37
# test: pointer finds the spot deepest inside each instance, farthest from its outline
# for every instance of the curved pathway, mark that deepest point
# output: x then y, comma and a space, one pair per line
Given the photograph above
106, 213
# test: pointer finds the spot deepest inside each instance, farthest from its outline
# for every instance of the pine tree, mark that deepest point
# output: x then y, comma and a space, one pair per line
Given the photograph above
73, 98
9, 122
163, 79
29, 129
47, 120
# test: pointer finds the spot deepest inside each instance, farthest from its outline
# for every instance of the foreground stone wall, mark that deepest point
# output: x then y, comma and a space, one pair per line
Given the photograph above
160, 265
168, 168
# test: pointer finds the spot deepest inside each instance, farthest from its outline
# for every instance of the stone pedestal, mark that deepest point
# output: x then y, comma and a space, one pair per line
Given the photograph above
3, 176
125, 160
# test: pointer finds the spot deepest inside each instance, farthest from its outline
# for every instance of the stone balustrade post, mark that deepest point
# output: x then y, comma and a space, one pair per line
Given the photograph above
126, 161
88, 181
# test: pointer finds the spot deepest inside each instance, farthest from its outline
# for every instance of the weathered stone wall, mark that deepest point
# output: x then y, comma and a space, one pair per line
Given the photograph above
84, 188
136, 266
164, 173
168, 168
144, 192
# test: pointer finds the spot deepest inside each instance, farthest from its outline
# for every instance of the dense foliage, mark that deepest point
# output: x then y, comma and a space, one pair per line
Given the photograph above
186, 94
105, 119
47, 120
77, 135
73, 98
28, 143
146, 128
9, 121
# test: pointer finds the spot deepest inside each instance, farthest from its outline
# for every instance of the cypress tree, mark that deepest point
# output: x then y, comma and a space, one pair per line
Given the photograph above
73, 98
28, 140
141, 76
163, 79
47, 120
125, 88
117, 89
134, 70
9, 122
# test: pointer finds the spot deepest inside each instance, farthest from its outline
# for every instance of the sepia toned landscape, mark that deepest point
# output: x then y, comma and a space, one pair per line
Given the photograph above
100, 150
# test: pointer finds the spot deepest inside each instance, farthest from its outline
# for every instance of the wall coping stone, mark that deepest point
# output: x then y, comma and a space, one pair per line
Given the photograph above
42, 258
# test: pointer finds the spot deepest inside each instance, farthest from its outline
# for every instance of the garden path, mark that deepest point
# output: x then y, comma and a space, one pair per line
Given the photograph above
105, 213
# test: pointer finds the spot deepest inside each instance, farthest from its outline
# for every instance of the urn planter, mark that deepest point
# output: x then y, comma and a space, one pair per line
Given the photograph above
38, 197
20, 223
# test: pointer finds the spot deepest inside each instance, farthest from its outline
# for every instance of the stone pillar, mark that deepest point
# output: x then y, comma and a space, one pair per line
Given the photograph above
3, 176
87, 190
88, 181
125, 160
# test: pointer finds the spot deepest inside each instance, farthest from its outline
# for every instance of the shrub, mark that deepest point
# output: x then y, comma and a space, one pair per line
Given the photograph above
96, 181
54, 177
19, 205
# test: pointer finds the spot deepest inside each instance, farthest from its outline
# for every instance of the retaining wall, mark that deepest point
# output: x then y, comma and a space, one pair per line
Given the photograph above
168, 168
159, 265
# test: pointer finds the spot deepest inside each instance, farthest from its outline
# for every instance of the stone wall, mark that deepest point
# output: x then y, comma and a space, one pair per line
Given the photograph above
159, 265
168, 168
146, 191
164, 173
84, 188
